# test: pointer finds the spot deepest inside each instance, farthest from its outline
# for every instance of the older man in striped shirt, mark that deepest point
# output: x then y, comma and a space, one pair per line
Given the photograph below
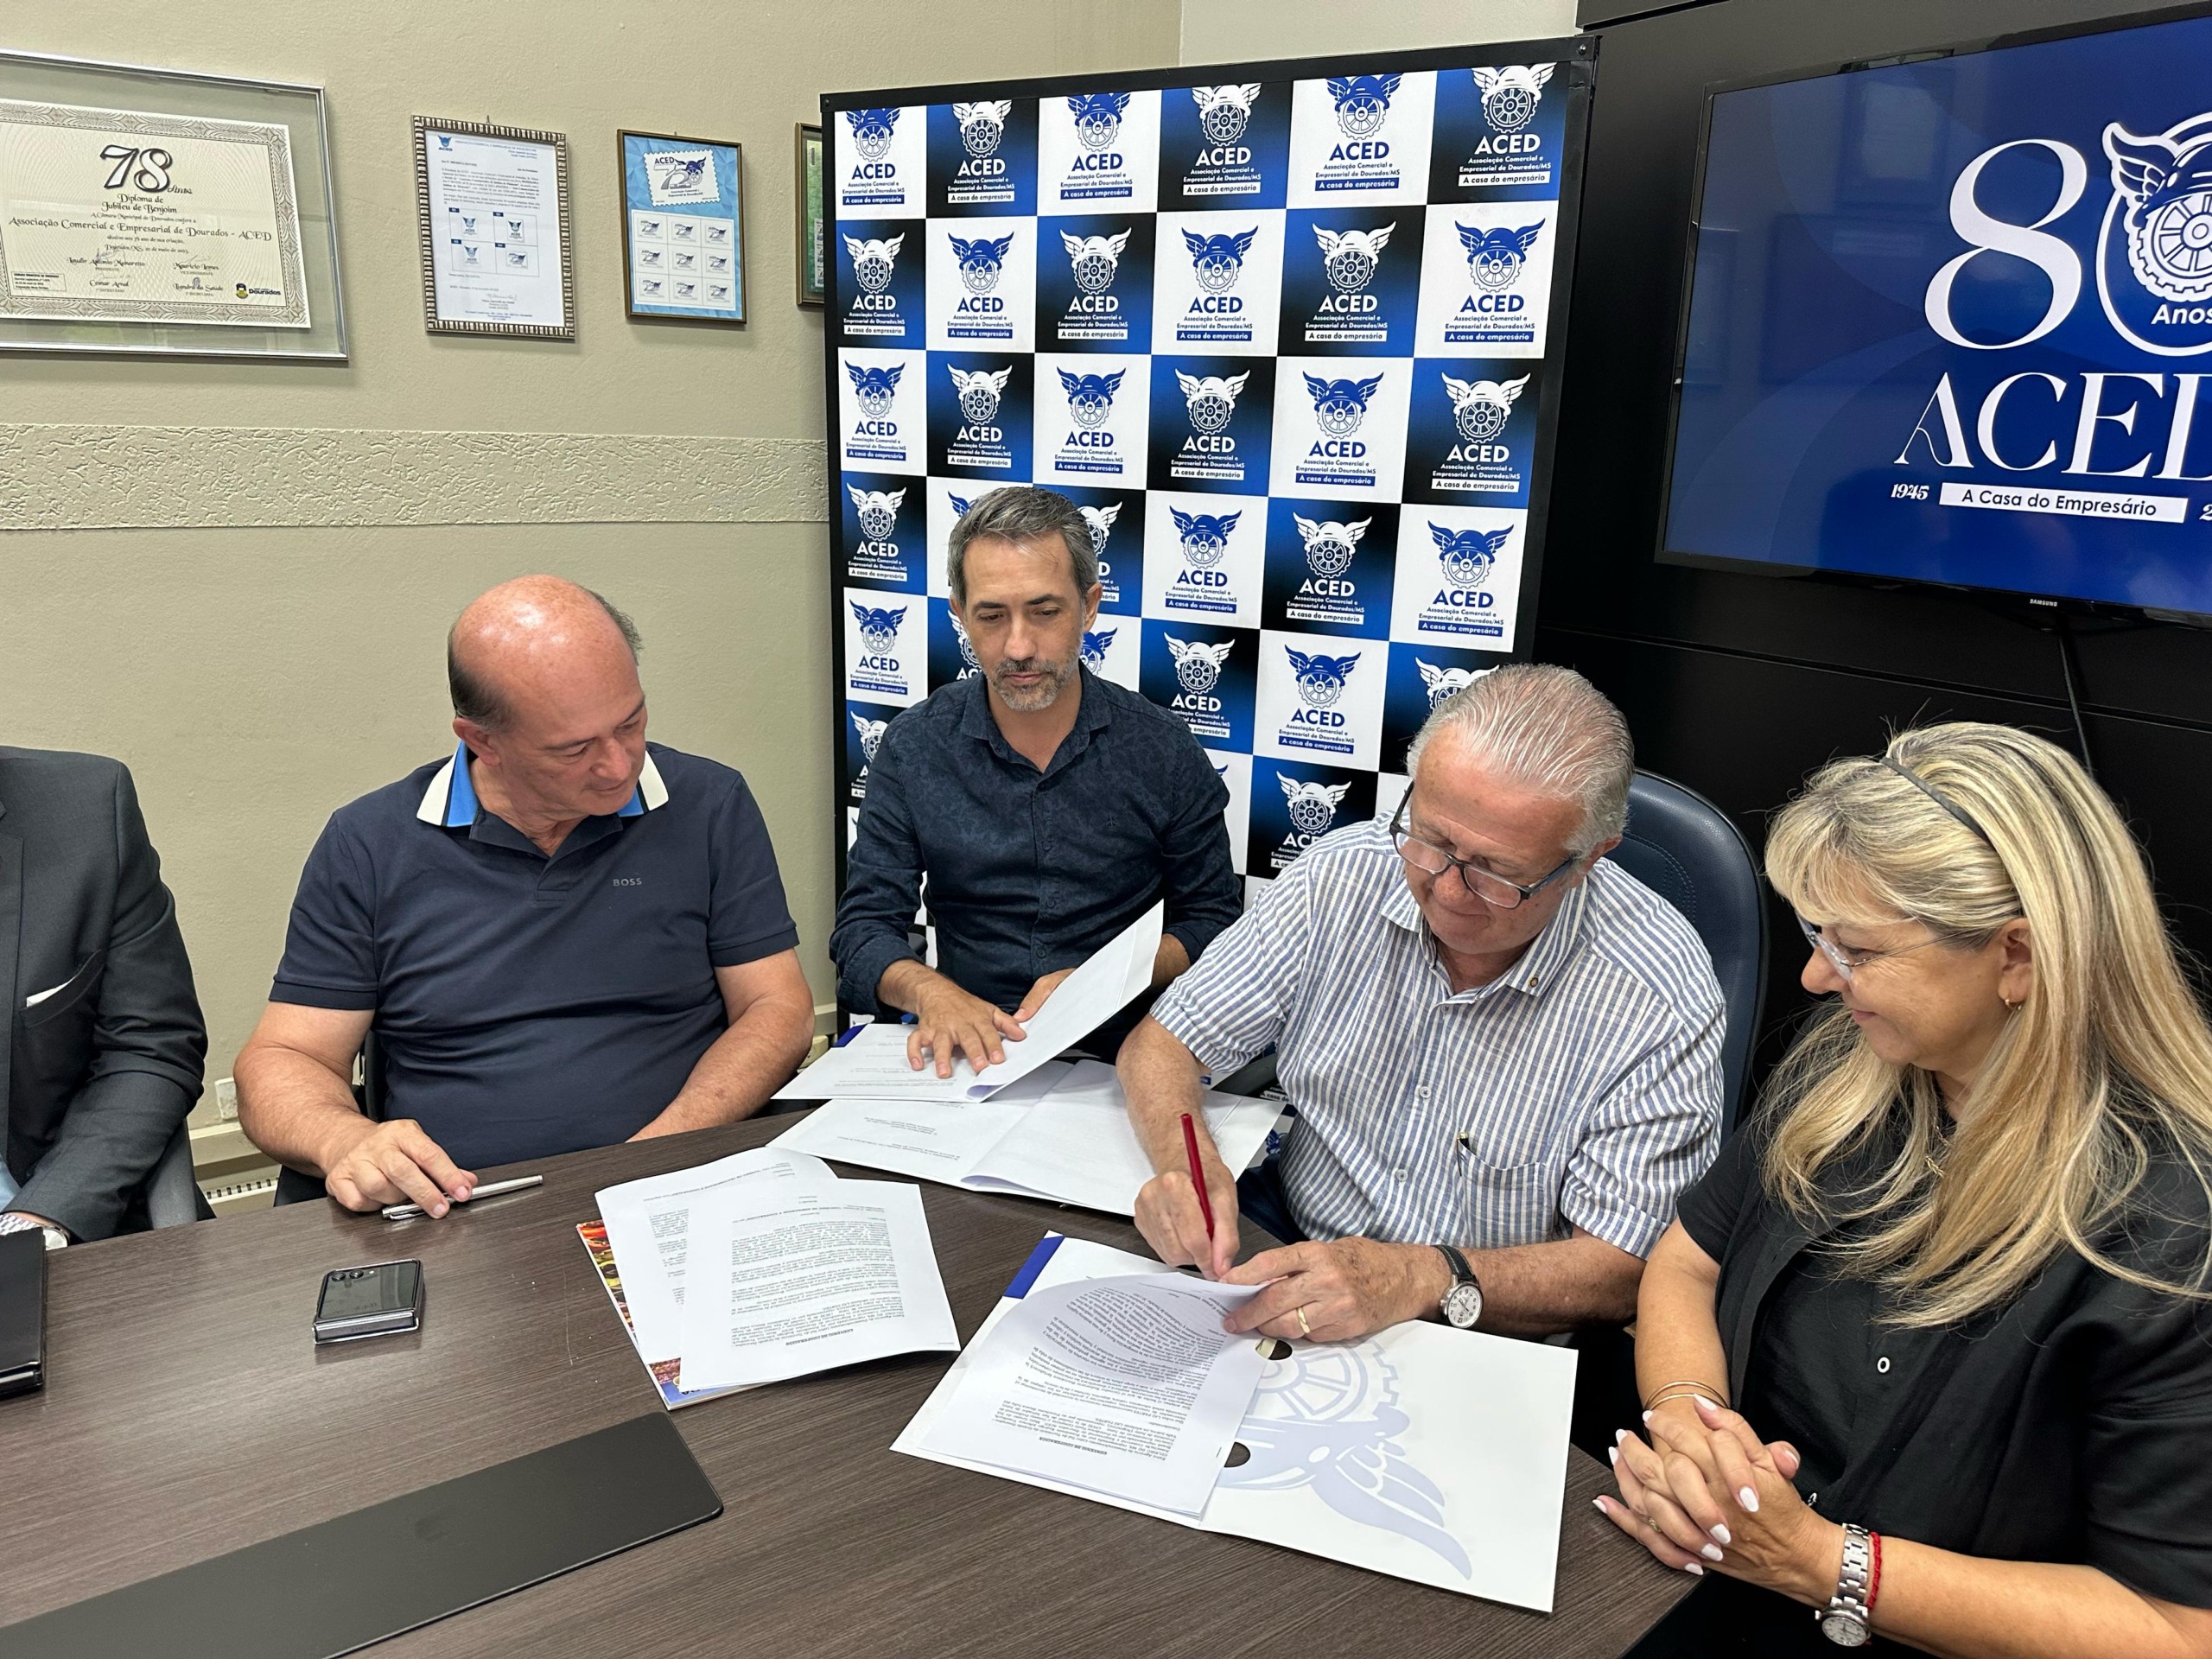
1505, 1054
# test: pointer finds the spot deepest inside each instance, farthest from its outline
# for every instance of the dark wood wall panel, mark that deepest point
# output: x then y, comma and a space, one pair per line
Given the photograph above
1738, 685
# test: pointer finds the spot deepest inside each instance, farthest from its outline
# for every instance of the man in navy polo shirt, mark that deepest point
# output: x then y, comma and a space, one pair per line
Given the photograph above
564, 937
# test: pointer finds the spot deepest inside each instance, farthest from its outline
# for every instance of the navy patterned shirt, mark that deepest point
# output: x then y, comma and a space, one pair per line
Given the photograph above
1029, 872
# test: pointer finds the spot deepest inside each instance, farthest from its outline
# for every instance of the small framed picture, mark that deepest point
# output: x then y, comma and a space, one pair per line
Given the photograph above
813, 243
683, 229
491, 204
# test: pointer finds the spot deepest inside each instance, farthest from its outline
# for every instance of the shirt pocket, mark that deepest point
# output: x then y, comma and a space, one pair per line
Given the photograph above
1505, 1204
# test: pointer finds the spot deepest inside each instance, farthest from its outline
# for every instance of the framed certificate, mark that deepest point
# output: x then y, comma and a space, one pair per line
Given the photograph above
153, 211
682, 228
813, 249
491, 206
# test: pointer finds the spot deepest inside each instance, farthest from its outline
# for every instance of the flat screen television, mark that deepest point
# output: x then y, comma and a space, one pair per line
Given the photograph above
1949, 319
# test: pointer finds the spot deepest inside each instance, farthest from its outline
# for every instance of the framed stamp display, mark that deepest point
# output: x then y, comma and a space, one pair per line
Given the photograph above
492, 206
813, 246
151, 210
682, 228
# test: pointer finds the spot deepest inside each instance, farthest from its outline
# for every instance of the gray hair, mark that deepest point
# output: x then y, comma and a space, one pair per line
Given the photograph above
1023, 514
1549, 728
473, 699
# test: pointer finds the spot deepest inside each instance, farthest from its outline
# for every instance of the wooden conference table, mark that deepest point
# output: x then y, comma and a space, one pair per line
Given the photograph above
187, 1412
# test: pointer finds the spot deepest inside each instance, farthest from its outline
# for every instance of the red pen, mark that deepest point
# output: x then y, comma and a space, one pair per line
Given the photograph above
1198, 1172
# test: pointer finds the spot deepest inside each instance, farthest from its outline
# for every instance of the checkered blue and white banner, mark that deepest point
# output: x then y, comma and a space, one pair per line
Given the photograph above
1289, 339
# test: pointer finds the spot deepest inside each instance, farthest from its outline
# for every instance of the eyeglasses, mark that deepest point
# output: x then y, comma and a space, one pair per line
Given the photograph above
1846, 961
1488, 885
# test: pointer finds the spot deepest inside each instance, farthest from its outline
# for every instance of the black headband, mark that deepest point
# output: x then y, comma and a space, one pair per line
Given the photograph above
1949, 806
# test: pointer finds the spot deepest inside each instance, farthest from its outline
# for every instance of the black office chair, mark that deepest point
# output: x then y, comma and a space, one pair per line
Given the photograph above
1688, 852
171, 1195
296, 1186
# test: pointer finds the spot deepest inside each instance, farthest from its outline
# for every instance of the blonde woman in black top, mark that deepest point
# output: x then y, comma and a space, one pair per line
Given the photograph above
1927, 1358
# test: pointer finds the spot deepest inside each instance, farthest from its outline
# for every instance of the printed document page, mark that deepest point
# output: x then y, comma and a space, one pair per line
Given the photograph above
1430, 1455
781, 1289
1077, 1145
937, 1140
1127, 1386
1062, 1133
648, 1228
873, 1065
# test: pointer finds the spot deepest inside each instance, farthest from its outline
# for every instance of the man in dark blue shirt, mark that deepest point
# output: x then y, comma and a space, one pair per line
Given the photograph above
562, 937
1047, 808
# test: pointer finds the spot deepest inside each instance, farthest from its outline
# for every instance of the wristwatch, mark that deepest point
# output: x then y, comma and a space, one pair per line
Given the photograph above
1843, 1621
15, 1221
1462, 1302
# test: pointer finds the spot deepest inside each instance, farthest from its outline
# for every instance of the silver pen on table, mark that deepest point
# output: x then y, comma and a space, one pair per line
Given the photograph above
489, 1190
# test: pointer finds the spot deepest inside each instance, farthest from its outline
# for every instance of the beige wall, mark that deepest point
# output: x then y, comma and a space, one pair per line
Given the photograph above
237, 577
1225, 31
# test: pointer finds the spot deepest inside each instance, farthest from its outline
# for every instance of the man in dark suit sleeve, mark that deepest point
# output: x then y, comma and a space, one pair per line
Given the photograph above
107, 1046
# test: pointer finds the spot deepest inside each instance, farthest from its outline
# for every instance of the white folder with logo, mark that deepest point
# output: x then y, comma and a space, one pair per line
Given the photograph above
1423, 1452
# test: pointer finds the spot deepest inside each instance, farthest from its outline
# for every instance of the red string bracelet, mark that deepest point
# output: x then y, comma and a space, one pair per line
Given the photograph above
1874, 1578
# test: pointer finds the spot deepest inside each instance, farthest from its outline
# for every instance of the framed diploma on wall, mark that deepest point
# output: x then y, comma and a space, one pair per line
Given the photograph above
682, 228
163, 212
491, 206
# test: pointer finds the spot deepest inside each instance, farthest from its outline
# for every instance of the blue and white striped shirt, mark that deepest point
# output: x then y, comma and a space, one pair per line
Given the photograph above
1581, 1086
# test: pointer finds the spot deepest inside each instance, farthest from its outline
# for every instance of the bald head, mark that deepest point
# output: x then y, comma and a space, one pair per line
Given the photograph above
522, 638
545, 694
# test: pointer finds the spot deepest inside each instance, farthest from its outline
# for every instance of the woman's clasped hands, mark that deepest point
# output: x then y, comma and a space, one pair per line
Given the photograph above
1699, 1488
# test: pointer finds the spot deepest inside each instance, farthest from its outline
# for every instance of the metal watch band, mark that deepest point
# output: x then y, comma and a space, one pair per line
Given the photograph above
1844, 1620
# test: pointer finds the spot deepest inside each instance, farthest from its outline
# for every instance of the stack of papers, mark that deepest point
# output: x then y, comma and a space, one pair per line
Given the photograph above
1034, 1125
1127, 1387
873, 1065
1423, 1453
765, 1265
1061, 1133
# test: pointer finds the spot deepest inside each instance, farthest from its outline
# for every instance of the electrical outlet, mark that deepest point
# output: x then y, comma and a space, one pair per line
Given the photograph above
226, 1100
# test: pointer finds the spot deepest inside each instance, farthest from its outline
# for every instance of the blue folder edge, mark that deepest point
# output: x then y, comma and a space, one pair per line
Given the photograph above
1034, 1266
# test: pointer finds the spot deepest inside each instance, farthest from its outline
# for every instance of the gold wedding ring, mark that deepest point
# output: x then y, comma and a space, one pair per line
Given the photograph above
1304, 1329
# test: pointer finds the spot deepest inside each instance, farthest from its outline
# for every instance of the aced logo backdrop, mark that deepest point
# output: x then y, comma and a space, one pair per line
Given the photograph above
1285, 343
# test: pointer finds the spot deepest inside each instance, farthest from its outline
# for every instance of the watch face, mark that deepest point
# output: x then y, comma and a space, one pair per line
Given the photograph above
1463, 1305
1844, 1630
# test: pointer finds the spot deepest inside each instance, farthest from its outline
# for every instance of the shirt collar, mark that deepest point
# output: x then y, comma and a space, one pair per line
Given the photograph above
450, 801
1548, 953
976, 719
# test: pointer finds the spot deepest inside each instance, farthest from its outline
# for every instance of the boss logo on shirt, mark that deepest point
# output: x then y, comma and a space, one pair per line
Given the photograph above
629, 880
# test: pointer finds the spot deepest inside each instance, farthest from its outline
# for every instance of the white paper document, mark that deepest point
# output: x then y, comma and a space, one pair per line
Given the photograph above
1126, 1386
1428, 1454
873, 1065
1062, 1134
937, 1140
779, 1288
649, 1226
